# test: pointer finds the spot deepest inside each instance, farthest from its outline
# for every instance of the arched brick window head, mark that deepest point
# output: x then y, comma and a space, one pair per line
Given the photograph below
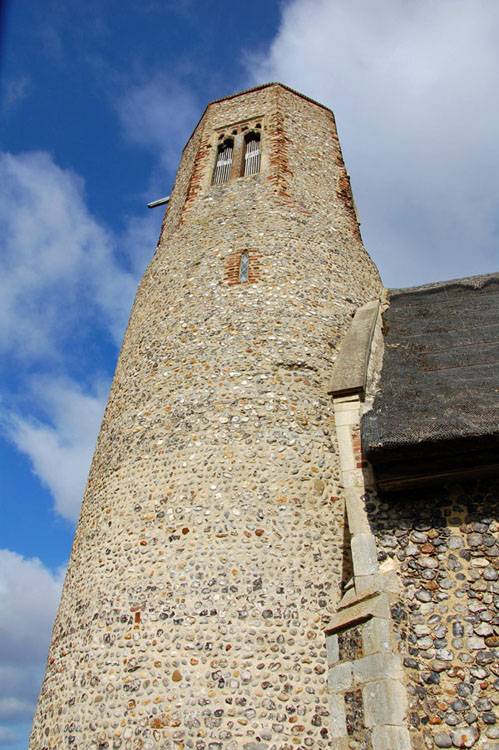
252, 153
223, 165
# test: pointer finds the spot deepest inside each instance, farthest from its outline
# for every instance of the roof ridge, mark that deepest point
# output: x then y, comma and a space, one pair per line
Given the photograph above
474, 282
265, 86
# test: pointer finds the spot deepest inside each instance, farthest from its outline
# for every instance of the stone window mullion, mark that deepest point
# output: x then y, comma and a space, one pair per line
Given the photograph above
237, 157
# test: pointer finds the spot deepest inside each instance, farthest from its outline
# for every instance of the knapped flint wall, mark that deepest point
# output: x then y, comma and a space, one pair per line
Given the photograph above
443, 542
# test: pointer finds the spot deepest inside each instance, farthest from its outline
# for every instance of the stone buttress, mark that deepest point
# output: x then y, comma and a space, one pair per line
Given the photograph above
208, 557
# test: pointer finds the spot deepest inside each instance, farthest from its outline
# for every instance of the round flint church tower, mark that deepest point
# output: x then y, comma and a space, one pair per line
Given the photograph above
208, 557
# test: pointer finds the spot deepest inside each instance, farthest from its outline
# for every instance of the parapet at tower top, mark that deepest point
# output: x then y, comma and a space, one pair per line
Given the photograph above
251, 90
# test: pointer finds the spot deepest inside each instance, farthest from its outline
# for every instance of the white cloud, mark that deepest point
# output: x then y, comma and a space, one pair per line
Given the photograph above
7, 737
14, 708
59, 279
58, 265
16, 90
413, 88
159, 115
60, 447
29, 595
139, 239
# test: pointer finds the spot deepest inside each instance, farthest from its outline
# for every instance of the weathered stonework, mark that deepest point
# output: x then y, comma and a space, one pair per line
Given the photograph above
207, 562
236, 580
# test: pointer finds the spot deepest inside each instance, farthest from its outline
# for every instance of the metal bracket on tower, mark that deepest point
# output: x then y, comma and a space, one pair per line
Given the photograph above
159, 202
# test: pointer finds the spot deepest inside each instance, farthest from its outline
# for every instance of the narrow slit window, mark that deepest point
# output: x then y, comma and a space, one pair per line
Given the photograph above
244, 267
252, 154
223, 164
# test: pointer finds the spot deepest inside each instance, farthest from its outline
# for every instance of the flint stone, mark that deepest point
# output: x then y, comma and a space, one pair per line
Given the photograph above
484, 629
489, 717
465, 736
474, 540
475, 643
442, 740
418, 537
423, 595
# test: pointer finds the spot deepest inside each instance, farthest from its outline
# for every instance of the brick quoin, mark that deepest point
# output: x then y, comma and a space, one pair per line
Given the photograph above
344, 191
360, 461
278, 146
201, 162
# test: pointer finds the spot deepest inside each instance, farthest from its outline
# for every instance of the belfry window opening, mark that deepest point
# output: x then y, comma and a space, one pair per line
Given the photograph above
252, 153
223, 165
244, 268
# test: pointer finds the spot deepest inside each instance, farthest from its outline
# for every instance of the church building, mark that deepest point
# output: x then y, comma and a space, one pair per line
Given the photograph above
288, 539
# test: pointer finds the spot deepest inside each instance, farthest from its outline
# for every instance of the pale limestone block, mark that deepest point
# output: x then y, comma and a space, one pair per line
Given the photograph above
385, 702
364, 554
376, 636
343, 418
333, 654
377, 667
353, 478
340, 677
345, 445
373, 606
344, 436
367, 583
343, 403
350, 369
370, 595
389, 580
337, 716
357, 518
348, 598
390, 738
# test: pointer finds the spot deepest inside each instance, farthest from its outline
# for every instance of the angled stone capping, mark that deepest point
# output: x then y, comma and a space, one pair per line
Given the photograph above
367, 696
350, 368
369, 684
372, 604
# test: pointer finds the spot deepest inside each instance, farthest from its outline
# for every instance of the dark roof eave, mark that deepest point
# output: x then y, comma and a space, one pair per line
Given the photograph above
401, 466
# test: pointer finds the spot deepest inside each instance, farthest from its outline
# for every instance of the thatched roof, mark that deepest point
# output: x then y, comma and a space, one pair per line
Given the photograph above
436, 413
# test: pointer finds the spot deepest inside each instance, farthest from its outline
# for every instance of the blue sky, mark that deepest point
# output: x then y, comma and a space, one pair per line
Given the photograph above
96, 102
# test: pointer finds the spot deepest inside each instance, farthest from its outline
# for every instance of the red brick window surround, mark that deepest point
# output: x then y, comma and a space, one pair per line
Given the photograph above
243, 267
